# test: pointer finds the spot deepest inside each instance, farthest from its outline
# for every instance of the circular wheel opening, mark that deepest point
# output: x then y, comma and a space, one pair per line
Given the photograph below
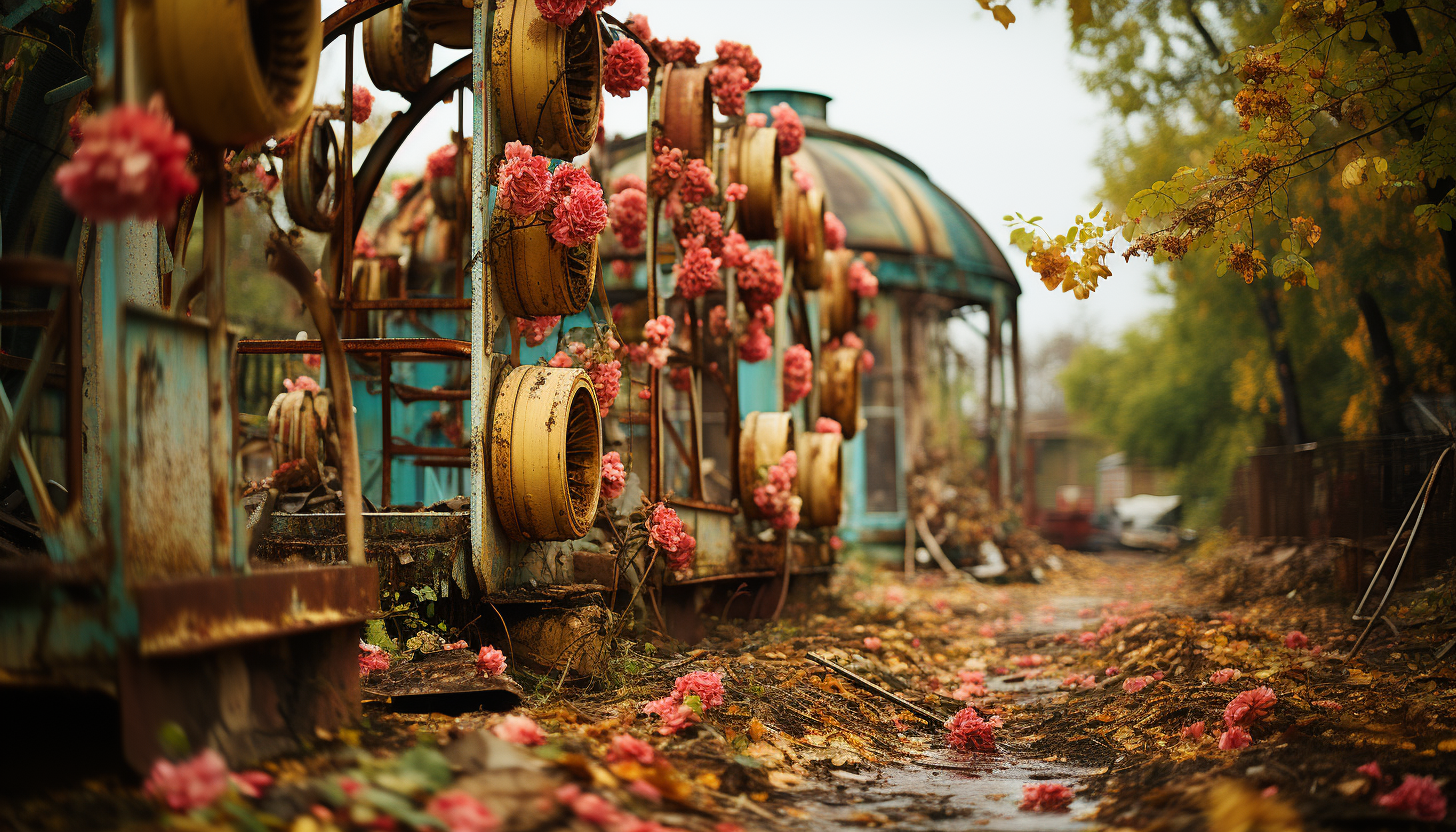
583, 460
280, 35
584, 77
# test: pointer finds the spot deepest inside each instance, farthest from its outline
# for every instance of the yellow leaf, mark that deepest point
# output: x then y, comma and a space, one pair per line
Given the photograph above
1446, 745
755, 729
1003, 16
1081, 12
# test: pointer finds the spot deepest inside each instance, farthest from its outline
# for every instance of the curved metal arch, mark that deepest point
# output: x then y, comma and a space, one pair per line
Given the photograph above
456, 76
352, 14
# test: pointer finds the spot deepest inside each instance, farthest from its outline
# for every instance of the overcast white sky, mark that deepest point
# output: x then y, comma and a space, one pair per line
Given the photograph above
998, 118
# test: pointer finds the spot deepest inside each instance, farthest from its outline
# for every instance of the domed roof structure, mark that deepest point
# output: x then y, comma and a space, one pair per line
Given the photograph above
925, 240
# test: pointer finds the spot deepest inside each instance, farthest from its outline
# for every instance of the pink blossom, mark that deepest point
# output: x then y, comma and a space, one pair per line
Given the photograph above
1087, 638
968, 732
460, 812
861, 281
535, 330
736, 192
870, 320
798, 373
1269, 791
561, 12
1371, 770
401, 187
441, 161
251, 783
645, 790
789, 127
872, 643
1136, 684
579, 213
1194, 731
627, 747
667, 168
760, 279
697, 272
704, 684
683, 51
775, 497
595, 810
521, 730
625, 68
754, 345
681, 378
364, 246
190, 784
305, 383
824, 424
1157, 676
628, 215
266, 180
621, 269
834, 232
614, 476
130, 164
1033, 660
371, 658
756, 120
704, 226
1295, 640
670, 535
645, 393
735, 250
718, 321
606, 377
658, 330
1113, 671
987, 631
490, 662
560, 359
639, 26
1233, 739
1045, 797
836, 542
523, 180
1417, 796
1249, 707
967, 690
1227, 674
674, 714
456, 645
363, 103
697, 182
730, 85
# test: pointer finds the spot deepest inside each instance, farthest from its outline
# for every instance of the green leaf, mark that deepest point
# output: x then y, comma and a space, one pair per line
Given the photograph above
1095, 211
173, 740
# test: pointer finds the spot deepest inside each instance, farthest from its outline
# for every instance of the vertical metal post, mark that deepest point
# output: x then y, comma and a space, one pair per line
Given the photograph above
386, 405
993, 414
482, 313
654, 409
218, 364
346, 204
1018, 437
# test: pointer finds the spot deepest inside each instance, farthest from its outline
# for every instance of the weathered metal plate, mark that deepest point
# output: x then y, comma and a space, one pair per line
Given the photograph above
441, 682
714, 533
168, 516
181, 616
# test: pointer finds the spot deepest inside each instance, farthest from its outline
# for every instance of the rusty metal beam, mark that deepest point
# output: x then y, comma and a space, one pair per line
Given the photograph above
440, 347
410, 395
352, 14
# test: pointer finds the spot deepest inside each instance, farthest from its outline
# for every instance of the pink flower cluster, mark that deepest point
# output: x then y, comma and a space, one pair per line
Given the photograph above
1194, 731
628, 213
364, 246
760, 279
1295, 640
131, 164
775, 496
535, 330
697, 271
862, 281
658, 330
968, 732
873, 643
523, 181
789, 127
579, 213
1417, 796
670, 536
627, 747
667, 168
736, 72
704, 684
606, 377
824, 424
1077, 680
683, 51
371, 658
441, 161
735, 192
968, 689
834, 232
697, 182
1224, 676
400, 187
1233, 739
521, 730
674, 714
625, 69
614, 476
304, 383
1136, 683
460, 812
363, 103
191, 784
560, 359
565, 12
594, 811
1371, 770
1249, 707
798, 373
1045, 797
735, 250
674, 710
755, 344
490, 662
